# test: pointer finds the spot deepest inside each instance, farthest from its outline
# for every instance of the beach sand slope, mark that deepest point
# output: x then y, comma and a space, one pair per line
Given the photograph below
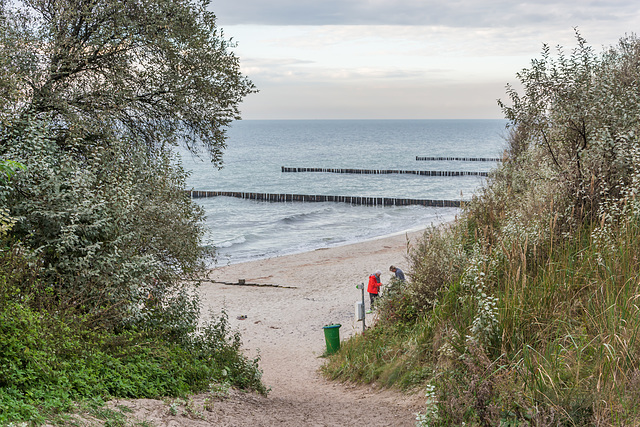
283, 325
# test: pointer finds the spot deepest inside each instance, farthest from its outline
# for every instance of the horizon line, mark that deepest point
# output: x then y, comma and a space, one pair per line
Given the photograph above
362, 119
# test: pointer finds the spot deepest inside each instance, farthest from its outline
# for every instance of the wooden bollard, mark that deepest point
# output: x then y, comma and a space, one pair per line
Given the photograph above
385, 171
355, 200
463, 159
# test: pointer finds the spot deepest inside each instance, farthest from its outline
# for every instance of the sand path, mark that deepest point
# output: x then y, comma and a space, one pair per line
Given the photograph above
284, 326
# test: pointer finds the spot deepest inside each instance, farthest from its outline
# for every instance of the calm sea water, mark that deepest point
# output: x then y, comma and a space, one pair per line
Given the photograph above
244, 230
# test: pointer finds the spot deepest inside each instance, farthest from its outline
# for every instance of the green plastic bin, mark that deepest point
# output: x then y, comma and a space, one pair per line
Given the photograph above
332, 337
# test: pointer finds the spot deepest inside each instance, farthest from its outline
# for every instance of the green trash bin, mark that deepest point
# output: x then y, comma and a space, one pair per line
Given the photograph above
332, 337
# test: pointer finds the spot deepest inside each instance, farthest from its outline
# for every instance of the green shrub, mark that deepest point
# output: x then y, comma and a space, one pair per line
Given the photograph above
47, 364
437, 260
52, 358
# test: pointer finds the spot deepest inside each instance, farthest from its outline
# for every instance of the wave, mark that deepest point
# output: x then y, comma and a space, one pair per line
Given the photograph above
228, 243
308, 213
299, 217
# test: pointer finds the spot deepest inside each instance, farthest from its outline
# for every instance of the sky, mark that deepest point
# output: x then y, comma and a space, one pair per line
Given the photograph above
402, 59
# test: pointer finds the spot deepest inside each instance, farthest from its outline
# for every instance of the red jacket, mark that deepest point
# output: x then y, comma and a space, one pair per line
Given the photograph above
374, 284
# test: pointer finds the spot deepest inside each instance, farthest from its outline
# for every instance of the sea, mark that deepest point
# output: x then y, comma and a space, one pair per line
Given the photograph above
246, 230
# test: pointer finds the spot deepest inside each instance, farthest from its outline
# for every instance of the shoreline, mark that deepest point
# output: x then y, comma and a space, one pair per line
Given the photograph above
412, 231
370, 251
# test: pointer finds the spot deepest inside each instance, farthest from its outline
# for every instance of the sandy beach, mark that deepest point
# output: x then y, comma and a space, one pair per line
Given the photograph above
283, 324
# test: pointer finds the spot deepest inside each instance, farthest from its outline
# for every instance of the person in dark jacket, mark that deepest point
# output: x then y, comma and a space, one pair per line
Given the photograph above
399, 274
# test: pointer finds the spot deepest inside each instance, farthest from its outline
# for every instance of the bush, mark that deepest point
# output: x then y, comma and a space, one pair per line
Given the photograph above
53, 356
47, 364
396, 305
437, 260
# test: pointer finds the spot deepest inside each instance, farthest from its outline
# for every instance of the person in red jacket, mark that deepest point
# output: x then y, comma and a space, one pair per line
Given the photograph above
374, 286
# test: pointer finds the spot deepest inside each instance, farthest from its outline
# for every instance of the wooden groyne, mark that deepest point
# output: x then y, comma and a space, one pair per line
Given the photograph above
385, 171
241, 282
461, 159
354, 200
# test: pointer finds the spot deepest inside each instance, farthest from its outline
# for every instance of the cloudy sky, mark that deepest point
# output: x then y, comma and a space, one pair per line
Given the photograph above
402, 59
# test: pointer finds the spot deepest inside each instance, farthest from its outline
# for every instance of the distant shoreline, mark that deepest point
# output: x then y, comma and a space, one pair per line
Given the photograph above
374, 120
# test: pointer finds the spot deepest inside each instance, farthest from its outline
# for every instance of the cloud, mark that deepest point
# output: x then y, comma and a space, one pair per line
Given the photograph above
450, 13
402, 58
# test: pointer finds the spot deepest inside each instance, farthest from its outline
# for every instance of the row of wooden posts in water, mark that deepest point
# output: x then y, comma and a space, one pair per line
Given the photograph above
357, 200
461, 159
354, 200
385, 171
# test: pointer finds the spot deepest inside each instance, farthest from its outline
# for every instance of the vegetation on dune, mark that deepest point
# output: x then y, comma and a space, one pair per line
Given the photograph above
97, 236
525, 310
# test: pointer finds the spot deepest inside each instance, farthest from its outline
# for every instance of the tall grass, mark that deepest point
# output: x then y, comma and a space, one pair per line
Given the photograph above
566, 348
526, 311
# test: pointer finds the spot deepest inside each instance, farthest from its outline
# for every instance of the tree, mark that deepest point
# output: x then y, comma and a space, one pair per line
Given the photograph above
579, 115
116, 237
155, 71
7, 169
94, 95
101, 239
